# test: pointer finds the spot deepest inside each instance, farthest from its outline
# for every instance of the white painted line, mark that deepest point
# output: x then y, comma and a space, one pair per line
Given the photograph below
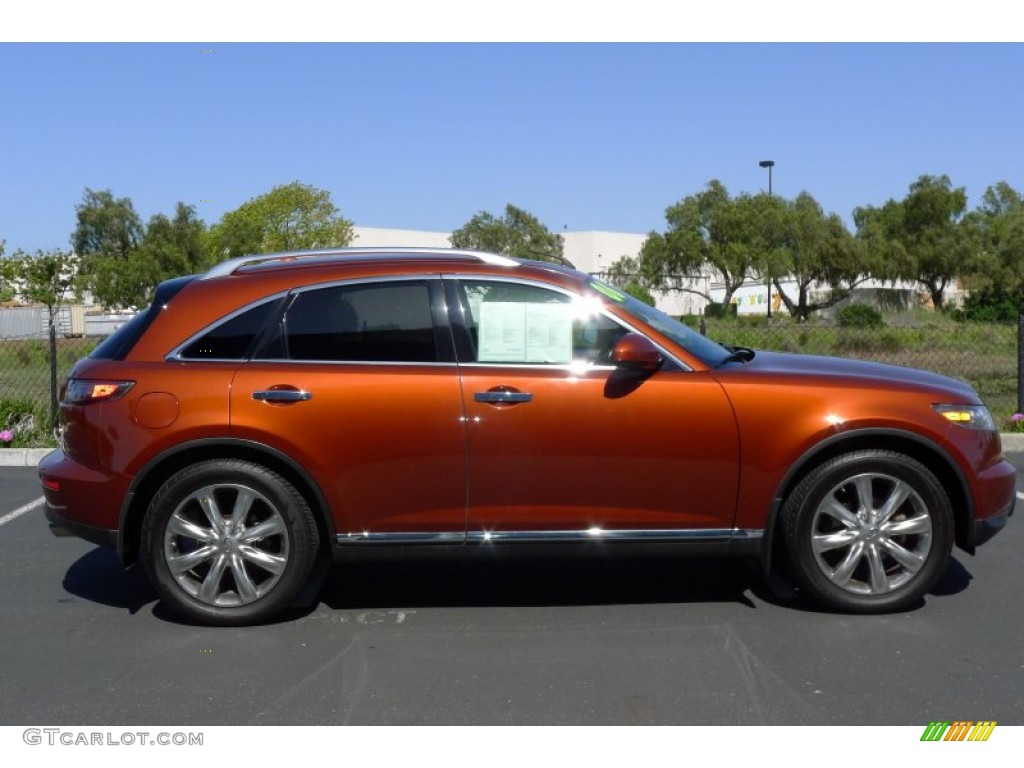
1020, 495
22, 510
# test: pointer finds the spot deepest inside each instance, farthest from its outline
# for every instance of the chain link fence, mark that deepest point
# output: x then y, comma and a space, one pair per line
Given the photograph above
31, 369
982, 354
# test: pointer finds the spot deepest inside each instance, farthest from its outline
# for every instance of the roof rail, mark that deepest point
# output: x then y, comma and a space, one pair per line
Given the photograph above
229, 266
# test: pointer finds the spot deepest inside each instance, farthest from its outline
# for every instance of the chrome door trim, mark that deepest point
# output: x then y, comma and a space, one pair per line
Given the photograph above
620, 534
402, 537
588, 534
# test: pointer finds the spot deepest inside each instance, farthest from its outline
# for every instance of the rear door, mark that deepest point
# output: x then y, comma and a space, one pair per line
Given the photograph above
357, 384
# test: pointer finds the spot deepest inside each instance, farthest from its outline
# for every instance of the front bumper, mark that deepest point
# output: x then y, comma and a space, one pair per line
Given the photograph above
988, 527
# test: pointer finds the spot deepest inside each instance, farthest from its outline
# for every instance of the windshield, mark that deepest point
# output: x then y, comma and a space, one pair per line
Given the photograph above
709, 352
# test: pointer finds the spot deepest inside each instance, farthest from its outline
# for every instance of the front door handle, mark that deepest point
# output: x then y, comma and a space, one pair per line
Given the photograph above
502, 396
282, 395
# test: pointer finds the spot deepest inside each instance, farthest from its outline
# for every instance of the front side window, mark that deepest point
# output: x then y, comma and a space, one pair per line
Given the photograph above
366, 322
515, 323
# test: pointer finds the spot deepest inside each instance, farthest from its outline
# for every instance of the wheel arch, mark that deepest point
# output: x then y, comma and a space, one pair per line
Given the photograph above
931, 455
156, 472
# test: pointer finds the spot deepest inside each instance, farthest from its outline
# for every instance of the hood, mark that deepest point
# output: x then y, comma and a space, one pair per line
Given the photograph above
838, 369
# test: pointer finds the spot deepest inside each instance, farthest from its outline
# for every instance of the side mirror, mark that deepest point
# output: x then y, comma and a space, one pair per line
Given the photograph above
637, 353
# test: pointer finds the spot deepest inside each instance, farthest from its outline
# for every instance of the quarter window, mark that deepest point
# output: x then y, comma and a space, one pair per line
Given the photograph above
231, 339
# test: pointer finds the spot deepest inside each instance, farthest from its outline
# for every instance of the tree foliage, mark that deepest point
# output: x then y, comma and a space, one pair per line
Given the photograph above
996, 278
817, 249
289, 217
518, 234
122, 262
707, 231
106, 239
925, 237
45, 277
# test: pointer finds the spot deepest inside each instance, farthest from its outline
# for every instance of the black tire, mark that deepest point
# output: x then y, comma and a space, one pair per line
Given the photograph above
868, 558
213, 569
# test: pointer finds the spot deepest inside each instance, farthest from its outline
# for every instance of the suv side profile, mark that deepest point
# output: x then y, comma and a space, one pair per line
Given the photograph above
281, 410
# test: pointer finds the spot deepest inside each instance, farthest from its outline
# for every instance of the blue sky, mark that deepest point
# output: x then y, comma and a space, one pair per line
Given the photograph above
422, 136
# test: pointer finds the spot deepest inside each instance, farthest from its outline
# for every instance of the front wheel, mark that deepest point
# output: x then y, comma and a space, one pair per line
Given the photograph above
868, 532
229, 542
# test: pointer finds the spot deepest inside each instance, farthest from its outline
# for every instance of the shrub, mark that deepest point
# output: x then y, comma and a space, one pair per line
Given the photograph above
859, 316
640, 293
720, 310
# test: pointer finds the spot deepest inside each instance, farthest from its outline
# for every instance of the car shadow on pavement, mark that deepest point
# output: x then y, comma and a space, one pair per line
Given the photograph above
516, 580
98, 577
496, 580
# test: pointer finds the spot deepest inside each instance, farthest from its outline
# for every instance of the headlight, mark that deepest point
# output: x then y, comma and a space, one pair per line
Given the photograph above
969, 416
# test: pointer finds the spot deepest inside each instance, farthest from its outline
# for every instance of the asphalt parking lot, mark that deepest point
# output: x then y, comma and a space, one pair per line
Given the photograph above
509, 640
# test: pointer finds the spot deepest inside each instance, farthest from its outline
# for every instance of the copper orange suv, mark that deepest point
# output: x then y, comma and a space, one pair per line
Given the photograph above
282, 410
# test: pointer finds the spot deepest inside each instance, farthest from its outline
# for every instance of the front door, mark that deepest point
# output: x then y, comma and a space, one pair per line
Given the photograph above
562, 442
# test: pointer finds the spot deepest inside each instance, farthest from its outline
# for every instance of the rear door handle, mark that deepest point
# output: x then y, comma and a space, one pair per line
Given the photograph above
282, 395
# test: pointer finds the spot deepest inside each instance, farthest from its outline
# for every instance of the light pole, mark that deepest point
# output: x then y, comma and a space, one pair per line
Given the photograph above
769, 164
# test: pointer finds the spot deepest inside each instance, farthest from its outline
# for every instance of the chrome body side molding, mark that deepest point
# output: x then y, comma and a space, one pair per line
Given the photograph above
693, 535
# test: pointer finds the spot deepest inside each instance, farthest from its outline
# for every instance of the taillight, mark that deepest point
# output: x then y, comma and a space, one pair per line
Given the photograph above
84, 391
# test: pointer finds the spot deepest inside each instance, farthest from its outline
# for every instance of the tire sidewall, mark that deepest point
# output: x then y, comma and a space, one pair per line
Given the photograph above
288, 502
802, 504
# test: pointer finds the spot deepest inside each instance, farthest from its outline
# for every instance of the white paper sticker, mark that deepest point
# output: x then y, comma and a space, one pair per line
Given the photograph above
520, 332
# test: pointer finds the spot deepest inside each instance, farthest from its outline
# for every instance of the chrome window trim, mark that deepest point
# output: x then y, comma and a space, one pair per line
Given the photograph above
461, 277
283, 361
588, 534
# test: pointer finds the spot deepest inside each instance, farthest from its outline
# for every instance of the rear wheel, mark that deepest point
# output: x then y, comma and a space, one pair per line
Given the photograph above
229, 542
869, 531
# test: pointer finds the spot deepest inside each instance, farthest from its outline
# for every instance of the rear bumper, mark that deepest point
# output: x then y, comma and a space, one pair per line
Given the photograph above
80, 501
61, 526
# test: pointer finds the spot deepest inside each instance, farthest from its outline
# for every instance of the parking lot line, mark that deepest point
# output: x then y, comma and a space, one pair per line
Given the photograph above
21, 510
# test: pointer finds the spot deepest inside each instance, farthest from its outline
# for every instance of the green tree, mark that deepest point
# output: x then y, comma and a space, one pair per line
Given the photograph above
290, 217
7, 275
818, 249
518, 234
996, 278
925, 237
706, 231
106, 237
47, 278
174, 246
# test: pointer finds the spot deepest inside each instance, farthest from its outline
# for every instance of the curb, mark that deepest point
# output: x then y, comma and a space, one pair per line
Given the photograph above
30, 457
1013, 441
27, 457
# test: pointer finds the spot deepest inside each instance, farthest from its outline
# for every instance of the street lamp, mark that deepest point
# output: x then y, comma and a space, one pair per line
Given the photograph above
769, 164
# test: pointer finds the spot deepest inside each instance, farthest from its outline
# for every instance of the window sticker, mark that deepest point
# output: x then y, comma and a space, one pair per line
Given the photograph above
521, 332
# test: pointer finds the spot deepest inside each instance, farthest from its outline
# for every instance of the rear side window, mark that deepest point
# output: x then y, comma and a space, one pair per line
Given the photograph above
380, 322
233, 338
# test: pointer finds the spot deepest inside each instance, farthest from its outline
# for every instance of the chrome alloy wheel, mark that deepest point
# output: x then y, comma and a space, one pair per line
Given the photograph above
871, 534
226, 545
